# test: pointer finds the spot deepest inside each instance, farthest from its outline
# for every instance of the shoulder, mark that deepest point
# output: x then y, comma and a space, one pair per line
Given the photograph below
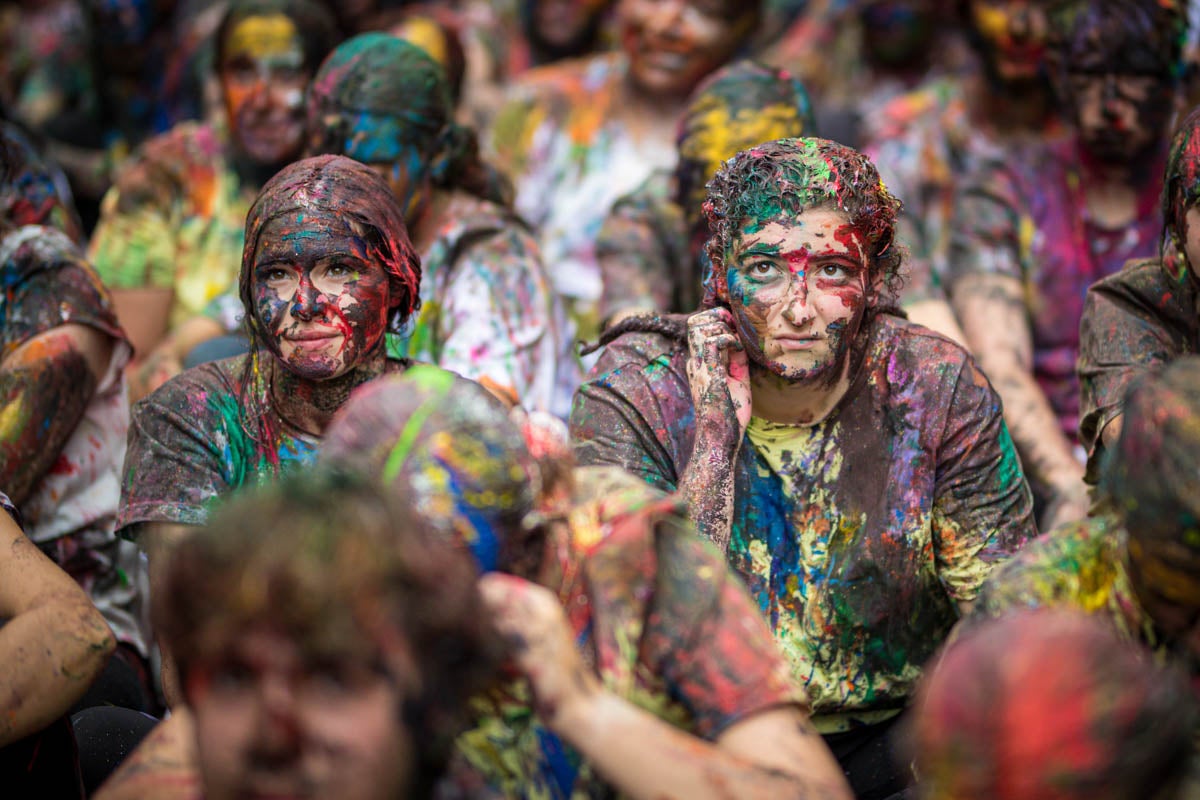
197, 394
911, 353
172, 160
647, 354
571, 76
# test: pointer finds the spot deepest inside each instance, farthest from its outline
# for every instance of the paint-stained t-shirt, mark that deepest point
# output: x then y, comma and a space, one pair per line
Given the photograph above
858, 544
1025, 216
488, 309
1146, 315
175, 218
1080, 565
662, 621
570, 157
197, 439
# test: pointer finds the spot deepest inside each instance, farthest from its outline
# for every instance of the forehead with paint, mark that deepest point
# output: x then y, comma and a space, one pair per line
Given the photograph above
735, 108
382, 101
1118, 65
453, 447
778, 181
1010, 35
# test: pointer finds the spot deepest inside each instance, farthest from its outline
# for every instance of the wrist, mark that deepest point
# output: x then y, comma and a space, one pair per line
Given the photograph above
578, 713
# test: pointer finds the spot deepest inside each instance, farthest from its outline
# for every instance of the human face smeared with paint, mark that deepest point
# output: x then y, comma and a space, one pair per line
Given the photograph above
1191, 244
673, 44
1165, 574
263, 78
319, 296
561, 22
798, 289
1118, 115
1013, 34
274, 721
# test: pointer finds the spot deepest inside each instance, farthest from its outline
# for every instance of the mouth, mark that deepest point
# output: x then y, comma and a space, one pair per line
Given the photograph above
310, 336
792, 343
664, 60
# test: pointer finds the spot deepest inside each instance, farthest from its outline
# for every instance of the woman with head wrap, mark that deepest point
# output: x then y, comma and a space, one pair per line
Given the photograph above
327, 269
579, 134
651, 246
1138, 564
643, 667
992, 722
1036, 225
854, 467
1148, 313
170, 229
488, 311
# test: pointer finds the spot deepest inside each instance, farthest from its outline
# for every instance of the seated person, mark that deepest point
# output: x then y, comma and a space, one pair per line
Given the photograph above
171, 228
1037, 225
577, 134
651, 247
1104, 723
328, 641
646, 667
318, 298
488, 309
62, 355
1137, 566
1148, 313
53, 643
854, 468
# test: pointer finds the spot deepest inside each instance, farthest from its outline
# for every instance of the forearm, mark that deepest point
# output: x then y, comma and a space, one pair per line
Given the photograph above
707, 487
1046, 454
645, 757
52, 654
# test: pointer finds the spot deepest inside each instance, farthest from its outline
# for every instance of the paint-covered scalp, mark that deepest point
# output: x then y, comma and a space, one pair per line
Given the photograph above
314, 24
338, 188
454, 447
1050, 704
781, 179
1181, 184
1132, 37
1153, 475
738, 106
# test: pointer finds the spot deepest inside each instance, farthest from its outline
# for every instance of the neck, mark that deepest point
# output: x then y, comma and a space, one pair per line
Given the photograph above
1112, 190
310, 405
777, 399
252, 174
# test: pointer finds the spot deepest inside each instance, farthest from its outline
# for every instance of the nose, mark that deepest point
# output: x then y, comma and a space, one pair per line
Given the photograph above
797, 310
665, 18
277, 731
309, 302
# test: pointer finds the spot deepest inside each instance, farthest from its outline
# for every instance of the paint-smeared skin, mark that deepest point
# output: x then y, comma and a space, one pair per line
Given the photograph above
42, 398
162, 767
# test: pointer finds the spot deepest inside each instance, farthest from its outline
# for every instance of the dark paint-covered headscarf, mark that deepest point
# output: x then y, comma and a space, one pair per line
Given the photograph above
1181, 190
1050, 704
381, 100
454, 447
740, 105
786, 177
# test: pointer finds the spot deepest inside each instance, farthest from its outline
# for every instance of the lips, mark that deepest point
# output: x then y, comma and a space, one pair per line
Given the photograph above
797, 342
312, 335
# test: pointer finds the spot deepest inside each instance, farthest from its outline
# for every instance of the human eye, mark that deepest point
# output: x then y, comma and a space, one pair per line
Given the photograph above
760, 270
273, 274
230, 676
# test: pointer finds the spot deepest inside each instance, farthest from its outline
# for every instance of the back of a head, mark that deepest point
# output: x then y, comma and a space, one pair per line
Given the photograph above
450, 444
1050, 704
741, 105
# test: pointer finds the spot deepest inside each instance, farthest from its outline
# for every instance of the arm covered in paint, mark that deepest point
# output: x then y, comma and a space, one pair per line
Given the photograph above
750, 735
982, 509
496, 318
45, 386
54, 643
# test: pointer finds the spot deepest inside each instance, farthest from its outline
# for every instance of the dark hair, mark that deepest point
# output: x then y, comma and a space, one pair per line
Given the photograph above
376, 80
1142, 37
340, 567
1181, 183
315, 26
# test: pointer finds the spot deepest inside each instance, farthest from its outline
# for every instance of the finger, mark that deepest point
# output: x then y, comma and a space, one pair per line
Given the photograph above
716, 347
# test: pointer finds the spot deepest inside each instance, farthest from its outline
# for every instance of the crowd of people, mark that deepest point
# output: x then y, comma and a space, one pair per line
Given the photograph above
595, 398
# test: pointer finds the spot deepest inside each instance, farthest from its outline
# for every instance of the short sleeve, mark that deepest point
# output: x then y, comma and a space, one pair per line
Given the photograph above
986, 235
708, 640
173, 465
626, 413
983, 508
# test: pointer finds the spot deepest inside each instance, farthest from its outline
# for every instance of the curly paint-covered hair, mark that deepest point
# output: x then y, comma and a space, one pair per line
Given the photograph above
1181, 183
343, 570
786, 177
1140, 37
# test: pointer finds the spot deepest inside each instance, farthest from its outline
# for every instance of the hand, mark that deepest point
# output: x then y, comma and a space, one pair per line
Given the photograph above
532, 619
719, 373
1069, 503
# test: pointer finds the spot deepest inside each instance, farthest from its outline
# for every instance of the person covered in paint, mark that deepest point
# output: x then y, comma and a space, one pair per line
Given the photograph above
170, 229
328, 641
62, 435
327, 269
641, 665
927, 140
991, 722
651, 247
488, 309
54, 643
854, 468
1148, 313
579, 134
1137, 564
1036, 226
